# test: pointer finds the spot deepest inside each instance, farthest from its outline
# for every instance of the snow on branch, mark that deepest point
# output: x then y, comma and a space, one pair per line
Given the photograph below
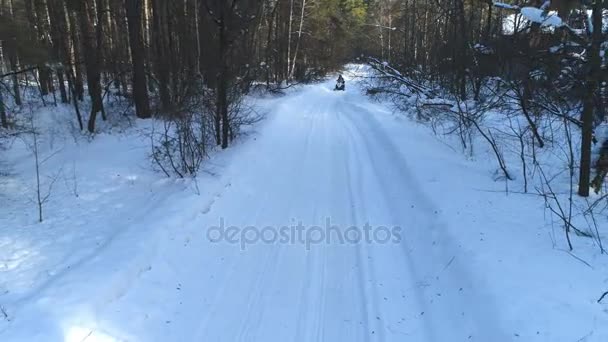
505, 6
545, 5
539, 16
544, 18
388, 72
534, 14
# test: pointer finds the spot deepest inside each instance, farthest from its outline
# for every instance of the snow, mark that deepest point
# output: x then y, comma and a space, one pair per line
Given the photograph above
539, 16
130, 257
506, 6
483, 49
514, 22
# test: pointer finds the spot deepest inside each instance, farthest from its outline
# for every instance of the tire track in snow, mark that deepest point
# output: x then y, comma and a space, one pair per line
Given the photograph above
310, 268
234, 274
237, 273
347, 319
252, 321
354, 156
363, 146
368, 299
320, 252
360, 294
436, 236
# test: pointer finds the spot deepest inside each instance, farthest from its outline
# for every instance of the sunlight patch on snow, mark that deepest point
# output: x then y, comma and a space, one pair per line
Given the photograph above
15, 254
80, 334
18, 258
110, 189
132, 177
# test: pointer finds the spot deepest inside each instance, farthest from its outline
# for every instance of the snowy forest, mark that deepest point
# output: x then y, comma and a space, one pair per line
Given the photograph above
190, 170
205, 55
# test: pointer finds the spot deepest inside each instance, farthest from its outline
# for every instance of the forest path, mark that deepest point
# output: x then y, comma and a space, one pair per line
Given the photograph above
322, 162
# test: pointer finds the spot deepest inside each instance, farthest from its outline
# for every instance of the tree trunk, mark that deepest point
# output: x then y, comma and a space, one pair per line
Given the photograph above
222, 91
295, 54
288, 72
589, 101
461, 49
58, 37
161, 63
75, 37
140, 92
3, 117
10, 47
99, 9
91, 60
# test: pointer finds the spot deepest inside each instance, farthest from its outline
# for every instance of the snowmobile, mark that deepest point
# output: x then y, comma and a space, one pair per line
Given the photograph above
340, 84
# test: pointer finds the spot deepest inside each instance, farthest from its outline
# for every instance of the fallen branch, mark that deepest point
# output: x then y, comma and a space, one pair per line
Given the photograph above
388, 72
577, 258
602, 297
19, 72
490, 139
3, 311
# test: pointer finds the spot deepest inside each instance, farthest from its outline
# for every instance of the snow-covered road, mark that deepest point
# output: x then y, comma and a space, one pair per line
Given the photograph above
321, 156
328, 159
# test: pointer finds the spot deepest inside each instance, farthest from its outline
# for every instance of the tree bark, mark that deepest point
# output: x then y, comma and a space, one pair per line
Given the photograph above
589, 100
59, 41
10, 46
160, 30
222, 92
91, 60
140, 92
295, 54
3, 117
75, 38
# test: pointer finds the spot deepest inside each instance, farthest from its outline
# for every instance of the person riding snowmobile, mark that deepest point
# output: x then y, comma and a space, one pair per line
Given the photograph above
340, 84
